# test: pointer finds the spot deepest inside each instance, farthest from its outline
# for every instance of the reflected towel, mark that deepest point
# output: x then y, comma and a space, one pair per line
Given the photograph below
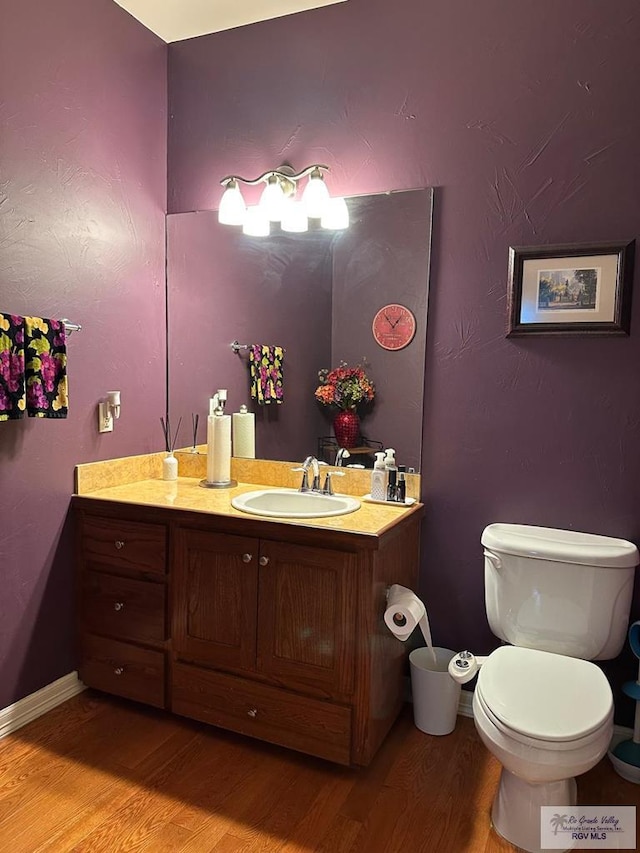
266, 367
12, 387
45, 368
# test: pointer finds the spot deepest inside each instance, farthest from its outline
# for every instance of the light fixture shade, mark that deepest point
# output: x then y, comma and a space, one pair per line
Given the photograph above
232, 207
255, 222
272, 200
335, 215
315, 195
294, 217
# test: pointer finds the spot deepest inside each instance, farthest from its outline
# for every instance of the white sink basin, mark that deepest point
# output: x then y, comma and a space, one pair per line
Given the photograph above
288, 503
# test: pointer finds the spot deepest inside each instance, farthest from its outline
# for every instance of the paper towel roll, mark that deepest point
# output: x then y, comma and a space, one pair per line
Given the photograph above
404, 611
244, 434
218, 448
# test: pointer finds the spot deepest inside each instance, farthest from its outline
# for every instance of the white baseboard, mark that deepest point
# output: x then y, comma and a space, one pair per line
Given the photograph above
622, 733
465, 709
35, 705
465, 704
31, 707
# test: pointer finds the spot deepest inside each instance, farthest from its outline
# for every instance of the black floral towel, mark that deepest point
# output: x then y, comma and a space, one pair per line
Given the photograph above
45, 368
12, 388
266, 369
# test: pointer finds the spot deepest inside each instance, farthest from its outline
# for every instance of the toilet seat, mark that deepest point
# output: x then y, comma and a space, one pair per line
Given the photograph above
544, 699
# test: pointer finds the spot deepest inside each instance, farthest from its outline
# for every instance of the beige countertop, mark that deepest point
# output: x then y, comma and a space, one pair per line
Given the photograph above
186, 494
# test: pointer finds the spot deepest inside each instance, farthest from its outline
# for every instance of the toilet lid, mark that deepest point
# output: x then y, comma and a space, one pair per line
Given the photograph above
543, 695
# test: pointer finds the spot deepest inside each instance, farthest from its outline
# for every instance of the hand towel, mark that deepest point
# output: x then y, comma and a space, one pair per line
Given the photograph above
45, 368
12, 387
266, 367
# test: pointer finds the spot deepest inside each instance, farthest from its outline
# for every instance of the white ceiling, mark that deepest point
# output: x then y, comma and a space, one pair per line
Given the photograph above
174, 20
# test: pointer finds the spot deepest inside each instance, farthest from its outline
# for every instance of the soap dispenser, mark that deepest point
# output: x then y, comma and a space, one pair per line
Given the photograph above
379, 479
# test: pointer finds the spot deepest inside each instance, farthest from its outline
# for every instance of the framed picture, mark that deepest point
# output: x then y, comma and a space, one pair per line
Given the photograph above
580, 289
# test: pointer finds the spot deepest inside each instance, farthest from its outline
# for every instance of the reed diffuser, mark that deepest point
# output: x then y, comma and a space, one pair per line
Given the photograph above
194, 426
170, 463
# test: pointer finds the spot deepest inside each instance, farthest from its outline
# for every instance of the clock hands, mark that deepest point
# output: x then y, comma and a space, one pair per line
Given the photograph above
390, 322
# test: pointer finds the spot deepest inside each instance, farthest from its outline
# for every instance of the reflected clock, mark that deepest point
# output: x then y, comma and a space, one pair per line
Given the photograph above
394, 326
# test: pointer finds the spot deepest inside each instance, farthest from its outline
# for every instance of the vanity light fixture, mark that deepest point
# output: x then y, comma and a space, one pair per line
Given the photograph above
277, 202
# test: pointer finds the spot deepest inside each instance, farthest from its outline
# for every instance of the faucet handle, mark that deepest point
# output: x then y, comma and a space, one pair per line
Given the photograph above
304, 485
328, 483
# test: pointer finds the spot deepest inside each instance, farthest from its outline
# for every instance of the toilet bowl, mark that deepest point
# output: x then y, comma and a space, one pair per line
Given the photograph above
547, 718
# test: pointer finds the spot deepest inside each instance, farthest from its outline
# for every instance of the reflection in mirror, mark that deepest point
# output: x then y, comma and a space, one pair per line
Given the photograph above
314, 294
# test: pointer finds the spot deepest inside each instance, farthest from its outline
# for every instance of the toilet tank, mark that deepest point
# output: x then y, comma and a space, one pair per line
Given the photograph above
558, 590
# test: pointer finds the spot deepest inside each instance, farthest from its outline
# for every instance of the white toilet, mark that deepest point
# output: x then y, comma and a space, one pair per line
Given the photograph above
560, 599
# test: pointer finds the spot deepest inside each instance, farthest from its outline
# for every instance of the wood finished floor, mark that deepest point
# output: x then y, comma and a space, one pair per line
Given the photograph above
99, 775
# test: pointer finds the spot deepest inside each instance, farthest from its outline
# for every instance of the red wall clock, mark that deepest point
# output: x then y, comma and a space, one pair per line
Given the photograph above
394, 327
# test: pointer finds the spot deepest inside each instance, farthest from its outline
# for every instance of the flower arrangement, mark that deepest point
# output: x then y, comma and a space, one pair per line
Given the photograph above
344, 387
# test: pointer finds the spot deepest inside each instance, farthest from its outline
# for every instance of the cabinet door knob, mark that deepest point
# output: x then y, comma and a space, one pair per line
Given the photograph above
252, 712
119, 605
264, 561
246, 558
119, 670
119, 544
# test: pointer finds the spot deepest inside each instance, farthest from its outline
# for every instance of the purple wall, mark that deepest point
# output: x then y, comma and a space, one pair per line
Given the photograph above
519, 113
224, 286
82, 192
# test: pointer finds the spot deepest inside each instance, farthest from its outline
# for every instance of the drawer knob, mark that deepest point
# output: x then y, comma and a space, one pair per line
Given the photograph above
119, 544
246, 558
264, 561
119, 670
119, 605
253, 712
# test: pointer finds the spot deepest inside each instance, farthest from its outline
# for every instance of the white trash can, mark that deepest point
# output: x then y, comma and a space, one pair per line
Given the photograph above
435, 693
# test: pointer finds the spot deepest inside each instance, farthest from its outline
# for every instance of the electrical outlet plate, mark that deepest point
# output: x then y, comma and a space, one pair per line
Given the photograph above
105, 418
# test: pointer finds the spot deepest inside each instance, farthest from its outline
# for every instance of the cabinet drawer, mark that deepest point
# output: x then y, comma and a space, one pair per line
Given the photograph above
261, 711
123, 608
123, 669
125, 544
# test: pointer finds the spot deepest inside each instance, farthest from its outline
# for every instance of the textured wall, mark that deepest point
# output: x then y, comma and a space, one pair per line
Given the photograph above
82, 198
520, 115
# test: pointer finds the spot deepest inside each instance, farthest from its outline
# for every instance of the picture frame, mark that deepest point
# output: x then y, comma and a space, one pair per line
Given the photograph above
570, 289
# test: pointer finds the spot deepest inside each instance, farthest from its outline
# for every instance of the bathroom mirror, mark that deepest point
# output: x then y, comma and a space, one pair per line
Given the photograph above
316, 295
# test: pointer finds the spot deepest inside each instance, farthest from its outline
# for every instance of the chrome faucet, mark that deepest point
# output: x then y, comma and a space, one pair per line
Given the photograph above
310, 463
342, 453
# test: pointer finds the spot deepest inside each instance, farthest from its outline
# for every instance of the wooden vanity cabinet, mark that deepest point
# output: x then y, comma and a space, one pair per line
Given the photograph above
271, 630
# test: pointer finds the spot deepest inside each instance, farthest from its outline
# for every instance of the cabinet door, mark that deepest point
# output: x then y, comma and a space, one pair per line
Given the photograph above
215, 588
306, 617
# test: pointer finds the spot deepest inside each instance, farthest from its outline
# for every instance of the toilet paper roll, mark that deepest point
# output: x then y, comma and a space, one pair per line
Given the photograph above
244, 435
404, 612
218, 448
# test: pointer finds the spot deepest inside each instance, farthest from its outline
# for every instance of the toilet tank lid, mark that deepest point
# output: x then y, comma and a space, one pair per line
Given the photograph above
563, 546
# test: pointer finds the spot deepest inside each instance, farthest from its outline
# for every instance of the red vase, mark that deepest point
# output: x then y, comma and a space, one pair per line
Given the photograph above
346, 426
